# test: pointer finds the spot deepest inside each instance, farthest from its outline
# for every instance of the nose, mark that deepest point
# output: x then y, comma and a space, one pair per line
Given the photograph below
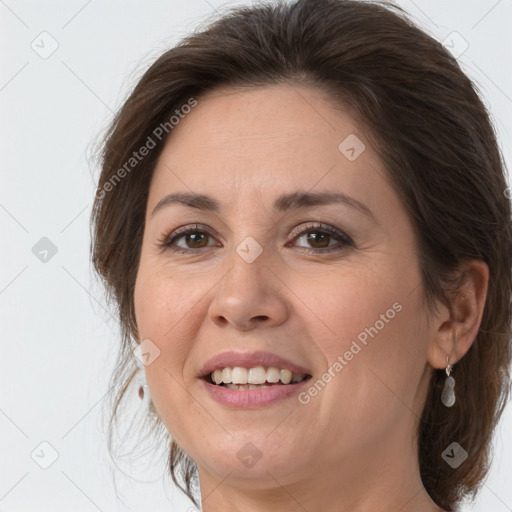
249, 295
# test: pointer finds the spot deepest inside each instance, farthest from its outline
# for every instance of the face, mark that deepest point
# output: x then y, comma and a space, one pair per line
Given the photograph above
333, 288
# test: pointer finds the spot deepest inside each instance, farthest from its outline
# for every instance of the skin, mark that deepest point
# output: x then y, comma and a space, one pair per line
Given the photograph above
352, 447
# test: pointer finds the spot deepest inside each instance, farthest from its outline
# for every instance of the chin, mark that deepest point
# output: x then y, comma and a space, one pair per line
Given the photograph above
252, 461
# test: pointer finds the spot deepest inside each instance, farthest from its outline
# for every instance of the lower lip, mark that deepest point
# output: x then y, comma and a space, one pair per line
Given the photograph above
252, 398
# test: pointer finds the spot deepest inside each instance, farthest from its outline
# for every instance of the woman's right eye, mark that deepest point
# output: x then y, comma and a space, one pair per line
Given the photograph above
192, 235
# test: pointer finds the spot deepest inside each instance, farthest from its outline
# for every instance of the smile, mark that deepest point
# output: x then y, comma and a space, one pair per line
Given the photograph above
253, 378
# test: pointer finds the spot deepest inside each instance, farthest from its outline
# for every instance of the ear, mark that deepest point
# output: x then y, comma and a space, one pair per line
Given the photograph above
455, 328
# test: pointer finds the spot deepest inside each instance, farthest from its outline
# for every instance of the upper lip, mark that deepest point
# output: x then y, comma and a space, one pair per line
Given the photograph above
250, 360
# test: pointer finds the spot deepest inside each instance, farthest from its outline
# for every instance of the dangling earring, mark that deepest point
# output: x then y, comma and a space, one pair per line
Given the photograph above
448, 394
144, 393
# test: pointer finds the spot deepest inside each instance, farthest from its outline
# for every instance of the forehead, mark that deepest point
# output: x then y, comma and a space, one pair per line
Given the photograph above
271, 116
263, 137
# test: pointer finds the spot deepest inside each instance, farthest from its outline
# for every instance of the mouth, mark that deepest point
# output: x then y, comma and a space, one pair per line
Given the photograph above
252, 380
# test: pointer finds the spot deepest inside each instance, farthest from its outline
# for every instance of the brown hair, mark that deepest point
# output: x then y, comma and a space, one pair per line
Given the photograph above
433, 134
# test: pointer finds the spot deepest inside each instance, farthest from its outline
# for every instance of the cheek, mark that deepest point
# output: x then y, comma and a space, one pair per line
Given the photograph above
374, 343
170, 308
162, 319
164, 315
355, 306
161, 303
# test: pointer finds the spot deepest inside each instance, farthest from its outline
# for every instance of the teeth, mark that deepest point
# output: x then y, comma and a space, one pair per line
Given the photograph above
217, 376
273, 375
253, 378
226, 375
245, 386
286, 376
257, 375
239, 375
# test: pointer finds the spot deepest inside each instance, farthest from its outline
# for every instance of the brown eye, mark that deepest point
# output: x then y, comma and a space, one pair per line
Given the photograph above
195, 240
318, 238
186, 239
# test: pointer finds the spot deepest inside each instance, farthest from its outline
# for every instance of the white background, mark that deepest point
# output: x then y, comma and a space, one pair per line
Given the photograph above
58, 341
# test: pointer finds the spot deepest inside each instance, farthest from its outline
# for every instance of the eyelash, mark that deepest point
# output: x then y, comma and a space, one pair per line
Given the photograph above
166, 242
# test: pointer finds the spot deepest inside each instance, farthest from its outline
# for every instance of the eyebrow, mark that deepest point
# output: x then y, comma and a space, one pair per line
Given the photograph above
284, 203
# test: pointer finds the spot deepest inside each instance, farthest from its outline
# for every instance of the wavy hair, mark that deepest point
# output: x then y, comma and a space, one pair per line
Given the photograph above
436, 139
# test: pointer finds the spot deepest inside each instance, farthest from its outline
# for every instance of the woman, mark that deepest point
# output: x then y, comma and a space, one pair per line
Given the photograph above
303, 218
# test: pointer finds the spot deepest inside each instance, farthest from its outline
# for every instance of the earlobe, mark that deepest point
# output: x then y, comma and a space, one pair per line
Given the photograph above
455, 335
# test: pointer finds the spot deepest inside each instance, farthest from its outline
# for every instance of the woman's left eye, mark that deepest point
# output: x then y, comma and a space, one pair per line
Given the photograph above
319, 236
